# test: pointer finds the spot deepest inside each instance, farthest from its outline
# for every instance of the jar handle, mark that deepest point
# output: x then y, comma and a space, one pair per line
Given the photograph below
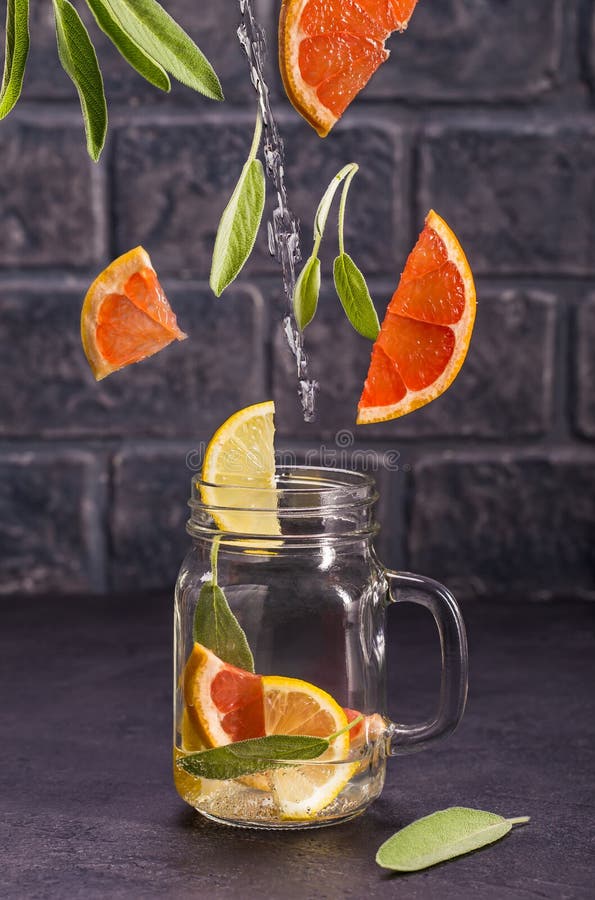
407, 588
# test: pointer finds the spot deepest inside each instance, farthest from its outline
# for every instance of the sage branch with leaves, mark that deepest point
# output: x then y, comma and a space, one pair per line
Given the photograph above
142, 32
238, 229
350, 283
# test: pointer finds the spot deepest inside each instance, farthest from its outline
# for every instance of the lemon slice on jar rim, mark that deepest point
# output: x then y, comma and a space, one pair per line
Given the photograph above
238, 473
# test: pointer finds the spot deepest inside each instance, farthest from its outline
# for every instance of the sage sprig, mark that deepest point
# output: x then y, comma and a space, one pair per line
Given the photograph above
132, 52
240, 221
350, 283
16, 52
142, 32
215, 625
307, 286
443, 835
147, 23
257, 754
79, 61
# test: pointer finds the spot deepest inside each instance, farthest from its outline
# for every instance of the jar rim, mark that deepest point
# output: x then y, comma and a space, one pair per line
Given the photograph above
345, 486
337, 500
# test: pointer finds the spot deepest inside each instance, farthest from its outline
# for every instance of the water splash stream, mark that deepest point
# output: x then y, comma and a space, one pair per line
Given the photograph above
283, 228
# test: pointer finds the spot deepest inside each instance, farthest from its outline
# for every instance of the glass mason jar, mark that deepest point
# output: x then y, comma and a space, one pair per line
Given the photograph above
309, 593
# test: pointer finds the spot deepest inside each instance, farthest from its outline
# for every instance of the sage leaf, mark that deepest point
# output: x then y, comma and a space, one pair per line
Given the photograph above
238, 227
441, 836
354, 295
150, 26
15, 57
306, 293
251, 756
132, 52
216, 628
79, 61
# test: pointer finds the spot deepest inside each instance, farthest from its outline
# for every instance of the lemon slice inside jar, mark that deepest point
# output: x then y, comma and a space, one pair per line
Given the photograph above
293, 706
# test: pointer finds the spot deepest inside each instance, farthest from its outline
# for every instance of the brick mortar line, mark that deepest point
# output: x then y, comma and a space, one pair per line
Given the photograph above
108, 448
48, 114
70, 281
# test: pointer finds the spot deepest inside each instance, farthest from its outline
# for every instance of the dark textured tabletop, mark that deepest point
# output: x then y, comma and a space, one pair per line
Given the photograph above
89, 811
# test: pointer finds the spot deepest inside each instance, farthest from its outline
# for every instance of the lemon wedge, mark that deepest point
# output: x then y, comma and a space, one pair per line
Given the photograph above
238, 473
292, 706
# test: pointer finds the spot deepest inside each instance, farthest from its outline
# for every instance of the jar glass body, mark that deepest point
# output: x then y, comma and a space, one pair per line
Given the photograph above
312, 603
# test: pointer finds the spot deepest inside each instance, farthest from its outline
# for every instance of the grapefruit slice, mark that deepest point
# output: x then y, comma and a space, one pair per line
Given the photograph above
329, 50
425, 335
292, 706
224, 703
126, 316
369, 729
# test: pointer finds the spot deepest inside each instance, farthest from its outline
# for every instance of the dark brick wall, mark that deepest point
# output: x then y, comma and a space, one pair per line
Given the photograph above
486, 113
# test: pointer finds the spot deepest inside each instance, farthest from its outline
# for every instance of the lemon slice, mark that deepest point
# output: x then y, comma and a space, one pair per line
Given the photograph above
292, 706
241, 454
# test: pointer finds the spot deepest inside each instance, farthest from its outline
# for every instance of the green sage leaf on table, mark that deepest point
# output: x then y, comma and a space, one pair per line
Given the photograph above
15, 57
354, 295
240, 221
79, 61
306, 293
150, 26
216, 628
251, 756
441, 836
132, 52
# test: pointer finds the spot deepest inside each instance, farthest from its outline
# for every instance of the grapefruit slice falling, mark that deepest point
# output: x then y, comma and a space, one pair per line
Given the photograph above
126, 316
425, 335
329, 50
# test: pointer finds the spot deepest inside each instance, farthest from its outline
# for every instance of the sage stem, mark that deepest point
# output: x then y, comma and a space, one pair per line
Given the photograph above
342, 205
214, 556
257, 136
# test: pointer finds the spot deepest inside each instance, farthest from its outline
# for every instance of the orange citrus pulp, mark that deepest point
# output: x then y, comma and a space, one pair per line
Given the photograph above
425, 335
224, 704
126, 316
329, 50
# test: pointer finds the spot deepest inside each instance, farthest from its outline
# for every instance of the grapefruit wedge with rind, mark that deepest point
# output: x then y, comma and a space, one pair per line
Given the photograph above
329, 50
425, 335
223, 703
126, 316
293, 706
